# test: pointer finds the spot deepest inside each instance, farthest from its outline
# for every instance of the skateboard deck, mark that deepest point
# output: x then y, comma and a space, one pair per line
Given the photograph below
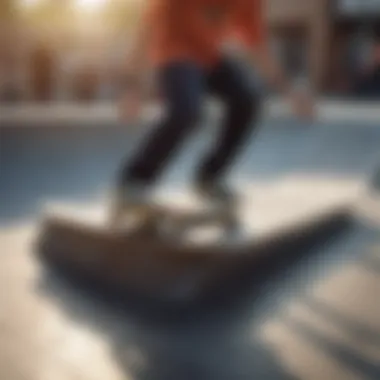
165, 267
159, 264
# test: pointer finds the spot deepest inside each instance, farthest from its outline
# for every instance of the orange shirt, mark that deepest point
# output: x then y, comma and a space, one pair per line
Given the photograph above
195, 29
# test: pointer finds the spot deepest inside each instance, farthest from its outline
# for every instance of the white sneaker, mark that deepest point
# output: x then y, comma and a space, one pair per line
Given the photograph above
215, 192
131, 197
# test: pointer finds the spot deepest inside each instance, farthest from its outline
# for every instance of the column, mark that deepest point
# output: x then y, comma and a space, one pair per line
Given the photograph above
320, 35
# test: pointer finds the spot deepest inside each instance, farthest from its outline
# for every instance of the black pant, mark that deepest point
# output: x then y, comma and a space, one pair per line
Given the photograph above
184, 85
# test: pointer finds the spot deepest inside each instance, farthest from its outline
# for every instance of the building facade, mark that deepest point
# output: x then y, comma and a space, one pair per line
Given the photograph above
328, 41
355, 35
325, 43
300, 30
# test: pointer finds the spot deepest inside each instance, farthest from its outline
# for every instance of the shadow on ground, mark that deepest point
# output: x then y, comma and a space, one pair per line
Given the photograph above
345, 356
356, 329
217, 340
148, 343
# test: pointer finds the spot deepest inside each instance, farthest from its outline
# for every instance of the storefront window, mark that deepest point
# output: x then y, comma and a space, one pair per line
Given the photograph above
291, 50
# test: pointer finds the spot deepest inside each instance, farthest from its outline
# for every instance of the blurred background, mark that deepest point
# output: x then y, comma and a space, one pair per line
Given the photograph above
72, 50
310, 315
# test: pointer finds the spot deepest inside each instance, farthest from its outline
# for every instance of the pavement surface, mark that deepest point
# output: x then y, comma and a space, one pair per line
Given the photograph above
316, 318
362, 112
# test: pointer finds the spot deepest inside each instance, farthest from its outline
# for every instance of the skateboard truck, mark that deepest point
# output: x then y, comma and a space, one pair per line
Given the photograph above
155, 220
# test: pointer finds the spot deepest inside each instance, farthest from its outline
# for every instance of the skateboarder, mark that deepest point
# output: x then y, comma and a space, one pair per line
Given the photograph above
181, 40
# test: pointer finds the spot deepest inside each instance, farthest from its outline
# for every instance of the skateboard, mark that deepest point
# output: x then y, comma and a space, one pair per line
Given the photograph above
153, 219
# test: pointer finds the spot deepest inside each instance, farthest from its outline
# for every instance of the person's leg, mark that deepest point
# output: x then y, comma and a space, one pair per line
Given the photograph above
228, 82
182, 87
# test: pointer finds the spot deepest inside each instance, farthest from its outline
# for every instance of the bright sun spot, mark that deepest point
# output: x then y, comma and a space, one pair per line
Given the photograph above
86, 5
28, 3
90, 5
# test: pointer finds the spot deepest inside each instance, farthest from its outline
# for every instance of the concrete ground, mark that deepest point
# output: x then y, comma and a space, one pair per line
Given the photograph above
335, 110
316, 318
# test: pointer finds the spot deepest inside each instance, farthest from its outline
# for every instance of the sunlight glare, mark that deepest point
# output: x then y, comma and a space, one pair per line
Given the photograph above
28, 3
90, 5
